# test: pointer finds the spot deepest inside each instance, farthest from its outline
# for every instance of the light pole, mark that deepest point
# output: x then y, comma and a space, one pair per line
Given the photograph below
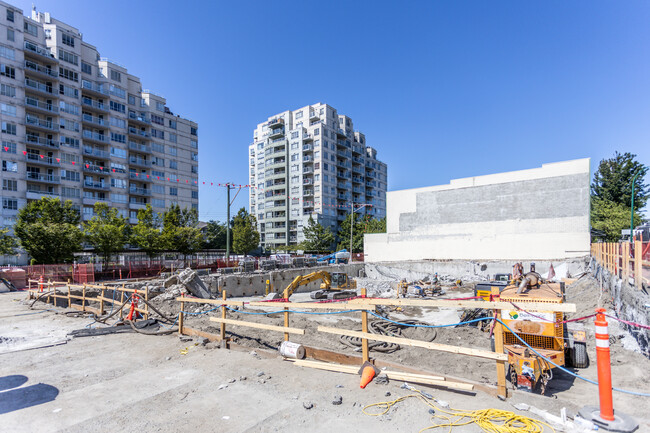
360, 206
632, 205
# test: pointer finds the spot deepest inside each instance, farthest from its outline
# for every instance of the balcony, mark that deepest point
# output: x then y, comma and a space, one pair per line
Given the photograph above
307, 137
358, 149
138, 132
275, 122
34, 104
101, 186
307, 159
142, 148
341, 134
308, 181
276, 133
307, 148
342, 196
308, 170
139, 161
37, 194
43, 71
96, 105
308, 192
358, 170
357, 179
89, 150
92, 120
44, 178
32, 158
38, 123
94, 136
140, 177
371, 175
93, 88
138, 118
371, 184
92, 199
41, 53
137, 205
37, 86
91, 168
313, 115
139, 191
37, 141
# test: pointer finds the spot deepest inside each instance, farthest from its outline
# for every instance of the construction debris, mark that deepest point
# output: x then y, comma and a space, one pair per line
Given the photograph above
193, 284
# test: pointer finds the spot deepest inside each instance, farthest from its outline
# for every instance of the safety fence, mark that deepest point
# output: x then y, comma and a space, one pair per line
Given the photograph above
365, 307
624, 259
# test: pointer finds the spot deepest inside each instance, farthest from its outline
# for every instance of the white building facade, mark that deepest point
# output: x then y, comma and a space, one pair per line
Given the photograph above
311, 162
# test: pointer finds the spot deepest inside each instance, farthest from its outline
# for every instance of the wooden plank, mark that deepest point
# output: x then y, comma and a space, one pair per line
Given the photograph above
211, 301
355, 369
314, 305
331, 356
638, 264
181, 317
198, 333
441, 303
222, 327
286, 315
365, 353
416, 343
259, 325
498, 348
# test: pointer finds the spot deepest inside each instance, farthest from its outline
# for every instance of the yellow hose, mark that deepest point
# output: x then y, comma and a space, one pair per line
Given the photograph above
489, 420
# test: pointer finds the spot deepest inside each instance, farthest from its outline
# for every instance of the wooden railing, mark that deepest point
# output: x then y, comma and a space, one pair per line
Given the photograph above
624, 259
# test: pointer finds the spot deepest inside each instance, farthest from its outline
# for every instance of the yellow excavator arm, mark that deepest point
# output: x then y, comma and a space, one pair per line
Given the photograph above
301, 280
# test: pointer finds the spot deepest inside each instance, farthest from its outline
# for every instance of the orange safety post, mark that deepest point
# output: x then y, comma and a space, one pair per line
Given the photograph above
40, 284
134, 304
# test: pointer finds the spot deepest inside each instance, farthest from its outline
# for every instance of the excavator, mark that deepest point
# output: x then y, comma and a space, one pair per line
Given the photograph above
335, 285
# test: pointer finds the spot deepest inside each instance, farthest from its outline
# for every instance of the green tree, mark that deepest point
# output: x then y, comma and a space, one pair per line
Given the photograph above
362, 226
317, 238
146, 234
7, 243
48, 230
245, 237
180, 232
215, 235
611, 194
107, 231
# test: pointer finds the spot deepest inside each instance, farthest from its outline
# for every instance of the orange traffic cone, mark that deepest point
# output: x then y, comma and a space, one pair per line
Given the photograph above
367, 372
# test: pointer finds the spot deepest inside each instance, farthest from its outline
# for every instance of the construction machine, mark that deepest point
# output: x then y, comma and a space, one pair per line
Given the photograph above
545, 332
335, 285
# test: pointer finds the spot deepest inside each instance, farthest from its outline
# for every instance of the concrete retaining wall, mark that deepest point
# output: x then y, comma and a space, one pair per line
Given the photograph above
536, 214
255, 284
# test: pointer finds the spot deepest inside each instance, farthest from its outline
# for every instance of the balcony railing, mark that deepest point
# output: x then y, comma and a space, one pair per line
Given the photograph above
95, 152
45, 52
139, 161
39, 141
139, 191
95, 185
32, 102
38, 159
90, 135
38, 177
37, 85
139, 147
41, 123
135, 116
95, 104
95, 169
33, 66
92, 119
99, 88
138, 132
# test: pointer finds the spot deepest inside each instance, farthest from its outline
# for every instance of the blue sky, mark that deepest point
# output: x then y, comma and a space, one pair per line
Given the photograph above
442, 89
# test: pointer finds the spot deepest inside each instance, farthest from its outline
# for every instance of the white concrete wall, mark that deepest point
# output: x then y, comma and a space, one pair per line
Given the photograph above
540, 213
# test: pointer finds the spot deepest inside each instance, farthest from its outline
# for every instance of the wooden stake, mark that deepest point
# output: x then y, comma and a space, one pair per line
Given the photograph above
180, 316
69, 298
255, 325
83, 299
286, 315
223, 316
498, 347
364, 328
638, 263
122, 302
626, 262
101, 301
146, 306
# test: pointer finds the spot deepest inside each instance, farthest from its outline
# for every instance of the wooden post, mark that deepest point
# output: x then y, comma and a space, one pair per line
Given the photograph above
180, 316
223, 316
101, 301
49, 290
146, 306
122, 302
626, 262
83, 299
286, 314
498, 347
364, 328
638, 263
69, 298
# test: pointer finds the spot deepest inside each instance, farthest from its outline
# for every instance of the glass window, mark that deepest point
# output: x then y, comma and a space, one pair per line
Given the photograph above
86, 68
30, 28
7, 90
10, 15
68, 40
10, 35
116, 75
173, 191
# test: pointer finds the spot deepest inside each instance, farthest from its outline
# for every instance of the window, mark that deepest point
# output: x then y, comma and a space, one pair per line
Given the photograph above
173, 191
117, 91
119, 198
10, 15
294, 134
195, 169
120, 123
160, 106
86, 68
159, 120
9, 185
299, 115
69, 158
316, 131
7, 90
72, 176
157, 161
10, 166
68, 74
195, 194
116, 76
194, 144
30, 28
10, 203
69, 108
9, 128
157, 202
131, 99
158, 189
68, 91
120, 138
173, 138
70, 142
70, 192
157, 173
8, 110
195, 156
8, 71
172, 124
10, 35
69, 57
117, 152
9, 146
118, 168
116, 106
157, 147
68, 40
7, 53
193, 130
173, 164
118, 183
173, 151
156, 133
69, 125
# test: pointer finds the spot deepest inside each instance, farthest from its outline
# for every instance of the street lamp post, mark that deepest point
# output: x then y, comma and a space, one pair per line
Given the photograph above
632, 205
360, 206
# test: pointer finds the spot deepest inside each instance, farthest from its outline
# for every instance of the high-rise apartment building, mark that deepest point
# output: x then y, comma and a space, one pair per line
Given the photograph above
311, 162
80, 127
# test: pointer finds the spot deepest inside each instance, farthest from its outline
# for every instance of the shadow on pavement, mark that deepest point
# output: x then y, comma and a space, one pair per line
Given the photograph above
13, 381
21, 398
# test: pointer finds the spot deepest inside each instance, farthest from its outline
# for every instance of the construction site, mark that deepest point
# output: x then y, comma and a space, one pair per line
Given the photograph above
516, 323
